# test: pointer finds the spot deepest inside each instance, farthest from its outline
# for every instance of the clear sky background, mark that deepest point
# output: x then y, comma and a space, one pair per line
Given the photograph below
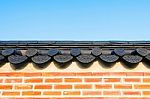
75, 20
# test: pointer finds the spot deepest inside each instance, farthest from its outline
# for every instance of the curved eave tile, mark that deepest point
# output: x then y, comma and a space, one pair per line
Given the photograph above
31, 52
133, 59
75, 52
96, 51
109, 58
17, 59
119, 51
8, 52
85, 59
63, 58
142, 51
41, 59
53, 52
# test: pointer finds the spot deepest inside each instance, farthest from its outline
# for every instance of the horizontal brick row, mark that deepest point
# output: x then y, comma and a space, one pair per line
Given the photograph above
77, 93
75, 80
79, 98
74, 86
37, 74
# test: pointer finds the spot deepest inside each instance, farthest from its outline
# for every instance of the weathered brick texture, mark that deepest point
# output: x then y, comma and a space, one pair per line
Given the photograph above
75, 85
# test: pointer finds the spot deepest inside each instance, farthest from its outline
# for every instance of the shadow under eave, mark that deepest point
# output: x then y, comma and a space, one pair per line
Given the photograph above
128, 65
41, 66
19, 66
84, 65
106, 65
62, 65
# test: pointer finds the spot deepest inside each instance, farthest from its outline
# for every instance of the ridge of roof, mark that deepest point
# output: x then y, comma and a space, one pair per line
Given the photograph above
72, 44
69, 41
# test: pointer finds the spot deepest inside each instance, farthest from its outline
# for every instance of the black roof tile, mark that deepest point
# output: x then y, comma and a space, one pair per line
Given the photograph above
85, 59
84, 52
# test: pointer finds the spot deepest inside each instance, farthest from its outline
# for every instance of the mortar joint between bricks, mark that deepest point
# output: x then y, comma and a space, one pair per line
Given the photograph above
102, 80
61, 93
53, 87
92, 86
82, 80
33, 86
81, 92
121, 93
142, 93
44, 80
132, 86
41, 93
20, 93
63, 80
113, 86
13, 87
121, 80
73, 86
142, 79
23, 80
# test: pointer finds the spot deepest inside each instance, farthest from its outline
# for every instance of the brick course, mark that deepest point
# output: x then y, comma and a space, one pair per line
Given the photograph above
77, 85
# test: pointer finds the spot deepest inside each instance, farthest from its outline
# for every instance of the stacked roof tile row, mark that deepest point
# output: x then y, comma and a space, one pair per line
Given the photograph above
85, 53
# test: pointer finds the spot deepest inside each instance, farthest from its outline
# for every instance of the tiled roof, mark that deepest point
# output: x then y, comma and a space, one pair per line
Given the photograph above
19, 53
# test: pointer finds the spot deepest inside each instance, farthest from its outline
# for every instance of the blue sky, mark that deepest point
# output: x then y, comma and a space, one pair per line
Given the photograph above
75, 20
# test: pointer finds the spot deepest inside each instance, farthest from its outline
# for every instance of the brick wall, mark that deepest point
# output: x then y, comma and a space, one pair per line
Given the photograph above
75, 84
114, 83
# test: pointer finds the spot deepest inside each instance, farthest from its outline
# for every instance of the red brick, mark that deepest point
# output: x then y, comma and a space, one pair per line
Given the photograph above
5, 87
58, 74
142, 86
31, 93
1, 80
131, 93
123, 86
10, 93
52, 93
111, 93
146, 80
12, 74
84, 74
92, 92
42, 98
73, 80
132, 79
71, 93
28, 74
146, 73
63, 87
33, 80
103, 86
23, 87
15, 80
83, 86
117, 73
53, 80
135, 74
108, 74
112, 79
146, 92
43, 87
92, 79
100, 74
